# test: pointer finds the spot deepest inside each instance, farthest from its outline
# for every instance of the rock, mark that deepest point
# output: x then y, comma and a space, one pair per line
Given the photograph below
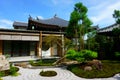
4, 64
87, 68
96, 63
23, 64
69, 62
29, 66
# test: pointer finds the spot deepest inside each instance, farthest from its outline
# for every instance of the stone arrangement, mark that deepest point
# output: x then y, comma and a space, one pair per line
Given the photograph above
4, 64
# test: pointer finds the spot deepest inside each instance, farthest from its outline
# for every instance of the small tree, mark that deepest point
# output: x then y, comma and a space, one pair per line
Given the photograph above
78, 25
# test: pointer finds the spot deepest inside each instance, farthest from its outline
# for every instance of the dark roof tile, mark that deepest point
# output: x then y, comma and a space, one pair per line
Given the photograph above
20, 24
53, 21
108, 28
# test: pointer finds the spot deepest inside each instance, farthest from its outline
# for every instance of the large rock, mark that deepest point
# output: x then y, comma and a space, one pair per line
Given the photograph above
4, 64
23, 64
87, 68
96, 63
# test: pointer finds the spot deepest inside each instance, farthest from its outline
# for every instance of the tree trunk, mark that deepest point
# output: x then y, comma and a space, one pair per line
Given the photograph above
76, 39
59, 60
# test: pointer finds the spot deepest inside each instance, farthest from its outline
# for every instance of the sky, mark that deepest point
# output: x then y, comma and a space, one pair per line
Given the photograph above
99, 11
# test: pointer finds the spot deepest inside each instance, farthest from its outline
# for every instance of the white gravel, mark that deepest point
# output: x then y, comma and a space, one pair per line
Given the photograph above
62, 74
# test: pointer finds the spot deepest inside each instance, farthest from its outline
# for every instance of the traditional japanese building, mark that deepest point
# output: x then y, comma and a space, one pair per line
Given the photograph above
108, 30
26, 39
111, 42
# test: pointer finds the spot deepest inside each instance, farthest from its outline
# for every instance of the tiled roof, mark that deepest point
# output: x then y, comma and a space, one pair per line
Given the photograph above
20, 24
52, 21
108, 28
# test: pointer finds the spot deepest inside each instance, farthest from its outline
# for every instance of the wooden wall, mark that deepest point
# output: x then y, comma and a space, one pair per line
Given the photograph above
1, 47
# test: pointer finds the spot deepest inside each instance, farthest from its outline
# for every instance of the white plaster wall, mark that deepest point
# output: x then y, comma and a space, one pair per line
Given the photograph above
46, 53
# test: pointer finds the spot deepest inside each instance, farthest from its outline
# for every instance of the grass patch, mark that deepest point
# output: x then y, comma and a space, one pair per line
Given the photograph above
12, 71
110, 68
45, 62
48, 73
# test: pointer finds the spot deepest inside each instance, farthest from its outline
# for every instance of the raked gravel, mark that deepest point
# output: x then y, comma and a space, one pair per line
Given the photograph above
62, 74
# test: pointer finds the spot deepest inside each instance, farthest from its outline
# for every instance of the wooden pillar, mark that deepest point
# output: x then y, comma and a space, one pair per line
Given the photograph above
38, 49
1, 49
51, 50
39, 46
40, 43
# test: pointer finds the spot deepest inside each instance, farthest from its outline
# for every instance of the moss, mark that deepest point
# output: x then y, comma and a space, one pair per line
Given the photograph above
48, 73
109, 70
11, 71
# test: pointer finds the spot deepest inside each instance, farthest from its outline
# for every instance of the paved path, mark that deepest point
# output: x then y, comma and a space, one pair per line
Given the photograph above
62, 74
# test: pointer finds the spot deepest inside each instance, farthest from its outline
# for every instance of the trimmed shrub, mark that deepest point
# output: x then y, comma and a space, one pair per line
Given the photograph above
88, 54
81, 56
71, 54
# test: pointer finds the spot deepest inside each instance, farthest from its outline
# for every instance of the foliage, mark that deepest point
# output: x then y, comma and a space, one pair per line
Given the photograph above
48, 62
52, 39
117, 54
88, 54
71, 54
92, 44
7, 56
48, 73
104, 45
12, 71
110, 68
116, 31
81, 56
31, 61
2, 73
79, 24
116, 15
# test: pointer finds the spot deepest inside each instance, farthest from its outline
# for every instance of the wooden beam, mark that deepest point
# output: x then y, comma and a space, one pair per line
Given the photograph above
51, 34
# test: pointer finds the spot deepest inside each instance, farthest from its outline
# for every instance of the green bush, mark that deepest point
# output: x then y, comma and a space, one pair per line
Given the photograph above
71, 54
81, 56
117, 54
48, 73
31, 61
12, 71
88, 54
2, 73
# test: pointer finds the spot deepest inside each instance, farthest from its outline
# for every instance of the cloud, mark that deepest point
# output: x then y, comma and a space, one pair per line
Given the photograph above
40, 17
4, 23
104, 13
62, 2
